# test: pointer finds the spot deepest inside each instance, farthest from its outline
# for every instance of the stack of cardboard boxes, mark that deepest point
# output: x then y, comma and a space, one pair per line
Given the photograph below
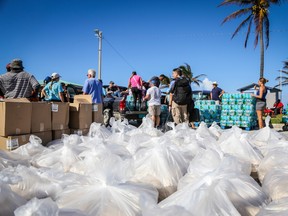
41, 121
80, 118
19, 118
15, 123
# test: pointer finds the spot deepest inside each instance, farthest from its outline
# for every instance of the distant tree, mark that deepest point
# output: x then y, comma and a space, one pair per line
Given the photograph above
187, 72
283, 79
257, 11
165, 80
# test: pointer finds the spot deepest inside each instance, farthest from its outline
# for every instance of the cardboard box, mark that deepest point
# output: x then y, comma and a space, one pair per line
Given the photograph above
97, 113
80, 116
57, 134
97, 109
15, 117
12, 142
45, 136
41, 117
83, 99
59, 116
80, 132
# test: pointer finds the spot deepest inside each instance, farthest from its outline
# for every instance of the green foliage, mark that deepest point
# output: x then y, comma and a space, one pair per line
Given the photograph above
277, 119
187, 72
257, 13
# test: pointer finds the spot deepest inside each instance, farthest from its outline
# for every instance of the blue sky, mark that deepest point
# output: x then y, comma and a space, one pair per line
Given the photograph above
151, 37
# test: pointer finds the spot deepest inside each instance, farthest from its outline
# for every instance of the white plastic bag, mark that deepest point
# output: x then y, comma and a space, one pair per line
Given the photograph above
275, 183
8, 159
237, 144
99, 198
266, 135
43, 207
276, 159
160, 166
62, 158
32, 184
32, 148
275, 208
9, 201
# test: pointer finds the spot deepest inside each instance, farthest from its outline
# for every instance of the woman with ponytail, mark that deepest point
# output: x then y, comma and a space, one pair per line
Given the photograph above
261, 100
53, 91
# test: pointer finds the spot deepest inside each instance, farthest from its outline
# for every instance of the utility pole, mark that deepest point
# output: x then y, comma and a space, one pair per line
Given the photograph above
98, 34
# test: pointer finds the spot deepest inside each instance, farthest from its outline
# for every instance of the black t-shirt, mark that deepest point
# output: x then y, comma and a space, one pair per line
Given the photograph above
113, 88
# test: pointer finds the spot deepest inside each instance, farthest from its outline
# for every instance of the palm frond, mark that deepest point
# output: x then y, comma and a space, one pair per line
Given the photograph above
267, 31
200, 76
283, 84
284, 79
248, 33
236, 14
284, 71
285, 64
235, 2
197, 82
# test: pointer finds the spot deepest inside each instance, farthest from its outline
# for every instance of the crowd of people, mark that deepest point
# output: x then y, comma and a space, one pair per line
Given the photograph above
17, 83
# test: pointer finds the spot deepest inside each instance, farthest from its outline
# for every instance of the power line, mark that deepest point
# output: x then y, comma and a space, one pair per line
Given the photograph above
123, 58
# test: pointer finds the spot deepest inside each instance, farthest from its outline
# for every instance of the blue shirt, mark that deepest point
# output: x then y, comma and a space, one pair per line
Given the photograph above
93, 87
53, 92
215, 93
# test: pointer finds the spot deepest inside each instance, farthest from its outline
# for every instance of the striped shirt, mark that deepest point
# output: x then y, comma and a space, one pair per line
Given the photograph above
18, 84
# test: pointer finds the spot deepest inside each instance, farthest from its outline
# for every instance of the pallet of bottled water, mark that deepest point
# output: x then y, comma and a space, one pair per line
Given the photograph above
209, 111
238, 109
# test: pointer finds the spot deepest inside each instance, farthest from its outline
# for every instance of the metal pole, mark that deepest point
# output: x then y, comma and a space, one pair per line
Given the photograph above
100, 55
99, 35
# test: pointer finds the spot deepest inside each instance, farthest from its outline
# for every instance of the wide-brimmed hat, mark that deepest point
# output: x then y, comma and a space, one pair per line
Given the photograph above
16, 64
55, 75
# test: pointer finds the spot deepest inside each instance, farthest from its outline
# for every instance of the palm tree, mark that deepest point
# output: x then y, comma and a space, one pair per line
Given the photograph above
257, 11
283, 79
187, 72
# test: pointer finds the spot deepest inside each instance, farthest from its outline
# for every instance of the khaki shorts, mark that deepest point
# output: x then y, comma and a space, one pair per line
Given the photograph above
154, 110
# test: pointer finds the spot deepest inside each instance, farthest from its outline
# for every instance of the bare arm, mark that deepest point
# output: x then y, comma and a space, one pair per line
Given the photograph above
141, 83
43, 93
222, 92
61, 96
261, 92
170, 99
147, 97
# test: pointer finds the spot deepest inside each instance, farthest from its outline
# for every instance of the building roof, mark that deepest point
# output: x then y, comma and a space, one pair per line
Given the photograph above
251, 87
66, 82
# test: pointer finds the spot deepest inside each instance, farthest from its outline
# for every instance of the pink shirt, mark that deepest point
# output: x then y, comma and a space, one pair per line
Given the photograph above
135, 81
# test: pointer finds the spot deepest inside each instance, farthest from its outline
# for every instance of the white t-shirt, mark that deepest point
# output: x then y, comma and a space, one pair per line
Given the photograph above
155, 96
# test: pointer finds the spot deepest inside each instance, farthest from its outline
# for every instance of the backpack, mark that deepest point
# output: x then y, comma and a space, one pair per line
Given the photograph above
182, 91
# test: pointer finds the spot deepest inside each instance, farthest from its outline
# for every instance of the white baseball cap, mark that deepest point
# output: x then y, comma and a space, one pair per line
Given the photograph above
55, 75
215, 83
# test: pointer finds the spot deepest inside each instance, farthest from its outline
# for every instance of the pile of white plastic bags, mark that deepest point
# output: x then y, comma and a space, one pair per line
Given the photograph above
128, 171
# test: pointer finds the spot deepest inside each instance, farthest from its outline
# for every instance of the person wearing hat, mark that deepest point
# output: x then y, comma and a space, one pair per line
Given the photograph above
216, 92
53, 91
113, 89
93, 87
153, 96
17, 83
